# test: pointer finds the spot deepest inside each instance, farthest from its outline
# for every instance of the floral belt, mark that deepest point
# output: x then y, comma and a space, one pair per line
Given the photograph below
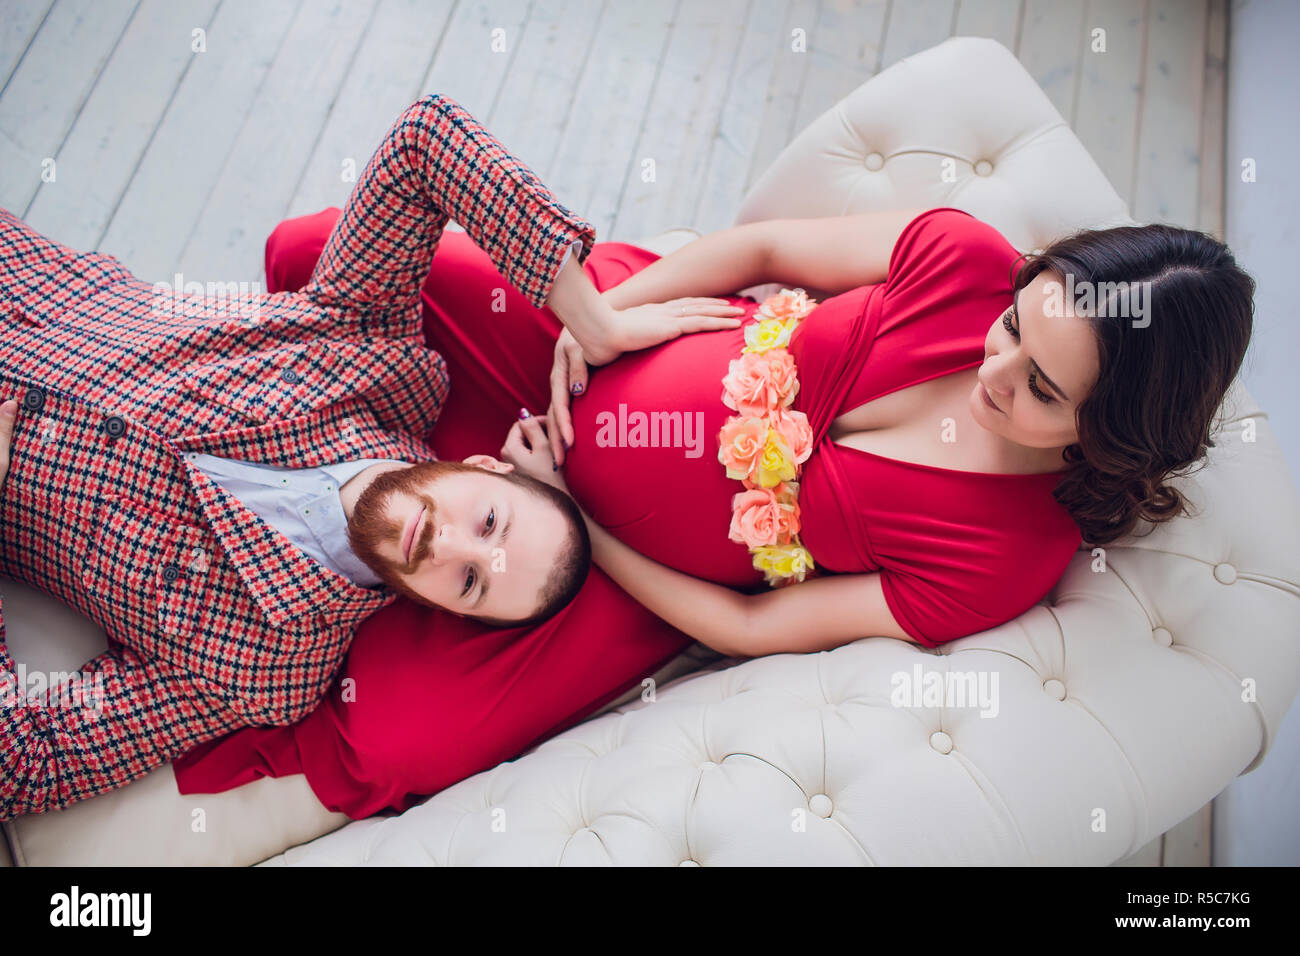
767, 442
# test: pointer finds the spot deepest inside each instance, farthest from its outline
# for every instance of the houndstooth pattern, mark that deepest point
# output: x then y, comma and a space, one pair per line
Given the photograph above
215, 620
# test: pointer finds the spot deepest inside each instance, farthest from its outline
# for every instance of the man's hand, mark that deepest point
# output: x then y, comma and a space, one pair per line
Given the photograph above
8, 413
526, 448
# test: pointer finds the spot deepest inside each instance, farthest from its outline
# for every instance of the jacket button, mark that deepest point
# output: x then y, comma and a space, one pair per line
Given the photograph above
290, 376
115, 426
171, 573
34, 400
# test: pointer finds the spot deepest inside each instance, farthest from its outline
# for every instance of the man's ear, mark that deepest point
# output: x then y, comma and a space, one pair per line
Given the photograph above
490, 464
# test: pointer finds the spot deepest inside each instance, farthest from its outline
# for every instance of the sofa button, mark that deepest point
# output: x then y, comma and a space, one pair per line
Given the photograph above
875, 162
1162, 636
820, 804
941, 742
1054, 688
983, 168
688, 863
1225, 573
34, 399
708, 765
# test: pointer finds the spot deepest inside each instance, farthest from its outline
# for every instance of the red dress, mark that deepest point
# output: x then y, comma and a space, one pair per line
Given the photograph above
958, 552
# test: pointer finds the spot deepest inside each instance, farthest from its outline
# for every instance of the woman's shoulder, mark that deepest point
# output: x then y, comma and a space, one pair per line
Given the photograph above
949, 245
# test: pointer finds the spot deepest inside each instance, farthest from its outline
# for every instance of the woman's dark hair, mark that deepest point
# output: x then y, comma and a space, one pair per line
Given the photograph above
1161, 380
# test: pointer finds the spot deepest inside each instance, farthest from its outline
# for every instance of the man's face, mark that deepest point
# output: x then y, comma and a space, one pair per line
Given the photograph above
459, 537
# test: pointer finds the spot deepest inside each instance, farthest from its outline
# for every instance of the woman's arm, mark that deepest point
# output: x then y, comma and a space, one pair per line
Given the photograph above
834, 253
816, 615
713, 265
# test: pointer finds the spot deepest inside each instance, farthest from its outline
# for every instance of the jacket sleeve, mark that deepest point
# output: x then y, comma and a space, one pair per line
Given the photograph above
436, 164
116, 719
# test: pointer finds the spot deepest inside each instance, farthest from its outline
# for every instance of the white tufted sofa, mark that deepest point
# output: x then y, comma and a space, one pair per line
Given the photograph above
1152, 674
1121, 707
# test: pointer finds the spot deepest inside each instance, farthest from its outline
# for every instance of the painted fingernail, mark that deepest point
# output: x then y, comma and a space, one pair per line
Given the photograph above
555, 466
576, 388
524, 413
567, 443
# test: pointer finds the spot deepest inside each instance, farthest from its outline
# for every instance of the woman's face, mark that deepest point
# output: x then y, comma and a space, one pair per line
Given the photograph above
1037, 368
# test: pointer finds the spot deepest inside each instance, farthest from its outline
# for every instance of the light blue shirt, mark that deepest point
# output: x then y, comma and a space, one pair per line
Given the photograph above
303, 504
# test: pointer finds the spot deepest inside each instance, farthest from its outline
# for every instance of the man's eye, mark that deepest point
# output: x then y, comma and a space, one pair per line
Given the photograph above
469, 582
491, 520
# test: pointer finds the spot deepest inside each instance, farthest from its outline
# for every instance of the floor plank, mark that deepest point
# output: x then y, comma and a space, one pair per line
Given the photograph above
17, 28
681, 120
537, 97
998, 19
118, 121
276, 139
1209, 214
598, 149
1106, 115
915, 26
170, 187
791, 59
46, 92
475, 52
762, 46
383, 80
1051, 45
1167, 176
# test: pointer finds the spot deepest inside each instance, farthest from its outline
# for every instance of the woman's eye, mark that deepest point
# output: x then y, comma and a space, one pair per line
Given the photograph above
469, 582
491, 521
1038, 393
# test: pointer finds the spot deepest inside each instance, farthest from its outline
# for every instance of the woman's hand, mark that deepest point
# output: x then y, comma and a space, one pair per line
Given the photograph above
8, 414
645, 325
526, 448
636, 328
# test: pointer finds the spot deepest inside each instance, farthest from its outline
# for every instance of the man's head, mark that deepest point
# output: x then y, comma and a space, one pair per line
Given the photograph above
473, 537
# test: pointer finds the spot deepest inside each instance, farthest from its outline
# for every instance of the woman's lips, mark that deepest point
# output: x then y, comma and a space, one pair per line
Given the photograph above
988, 399
408, 536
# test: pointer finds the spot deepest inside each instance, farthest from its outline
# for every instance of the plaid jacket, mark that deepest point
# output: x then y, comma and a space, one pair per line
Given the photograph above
215, 620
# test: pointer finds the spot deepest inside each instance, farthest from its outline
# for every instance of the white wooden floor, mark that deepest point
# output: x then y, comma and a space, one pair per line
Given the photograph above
118, 133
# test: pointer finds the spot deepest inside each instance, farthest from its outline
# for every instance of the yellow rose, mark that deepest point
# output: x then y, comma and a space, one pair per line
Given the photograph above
768, 334
776, 462
781, 562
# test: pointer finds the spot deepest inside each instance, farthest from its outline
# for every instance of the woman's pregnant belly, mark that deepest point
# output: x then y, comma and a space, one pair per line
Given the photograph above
644, 462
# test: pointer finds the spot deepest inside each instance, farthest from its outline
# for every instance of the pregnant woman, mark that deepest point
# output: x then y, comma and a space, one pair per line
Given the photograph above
955, 433
956, 419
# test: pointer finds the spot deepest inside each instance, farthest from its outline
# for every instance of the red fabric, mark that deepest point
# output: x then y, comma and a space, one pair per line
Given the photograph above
958, 552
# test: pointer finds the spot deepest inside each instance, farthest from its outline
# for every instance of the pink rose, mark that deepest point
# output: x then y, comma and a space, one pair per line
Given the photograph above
764, 517
787, 304
758, 382
740, 445
794, 428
